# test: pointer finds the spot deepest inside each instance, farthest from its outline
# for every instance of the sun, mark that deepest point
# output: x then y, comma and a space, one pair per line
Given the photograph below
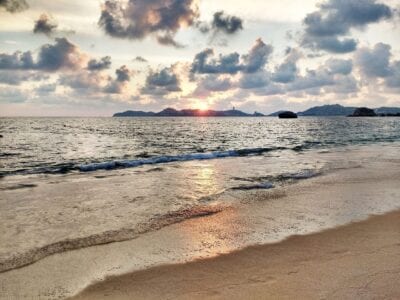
201, 105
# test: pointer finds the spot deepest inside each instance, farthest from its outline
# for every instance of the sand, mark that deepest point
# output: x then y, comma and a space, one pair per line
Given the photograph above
356, 261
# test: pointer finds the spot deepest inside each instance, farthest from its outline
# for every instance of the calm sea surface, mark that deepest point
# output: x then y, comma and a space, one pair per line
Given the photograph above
54, 145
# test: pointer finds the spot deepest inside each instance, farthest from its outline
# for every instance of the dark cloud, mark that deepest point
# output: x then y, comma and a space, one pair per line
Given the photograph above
137, 19
226, 23
377, 63
257, 57
119, 85
255, 60
123, 74
63, 54
254, 80
17, 77
374, 62
339, 66
89, 82
14, 6
140, 59
287, 71
17, 60
224, 64
168, 40
330, 44
393, 81
212, 83
314, 79
45, 24
51, 57
326, 27
334, 76
101, 64
162, 82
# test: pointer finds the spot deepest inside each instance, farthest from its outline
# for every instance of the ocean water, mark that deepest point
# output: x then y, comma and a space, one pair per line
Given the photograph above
71, 183
62, 145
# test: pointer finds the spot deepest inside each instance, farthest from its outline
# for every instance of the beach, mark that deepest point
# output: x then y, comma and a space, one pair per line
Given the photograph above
199, 149
356, 261
301, 223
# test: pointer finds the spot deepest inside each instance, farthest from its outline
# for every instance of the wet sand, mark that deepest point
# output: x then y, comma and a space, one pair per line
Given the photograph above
356, 261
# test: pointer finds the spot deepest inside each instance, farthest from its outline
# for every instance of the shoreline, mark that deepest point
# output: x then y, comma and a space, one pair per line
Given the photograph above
357, 260
367, 185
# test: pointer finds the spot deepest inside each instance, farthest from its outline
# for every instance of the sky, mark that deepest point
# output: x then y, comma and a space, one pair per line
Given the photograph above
95, 57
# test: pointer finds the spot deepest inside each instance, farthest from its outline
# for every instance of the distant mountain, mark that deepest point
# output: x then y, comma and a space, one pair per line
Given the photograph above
387, 110
171, 112
324, 110
328, 110
275, 114
133, 113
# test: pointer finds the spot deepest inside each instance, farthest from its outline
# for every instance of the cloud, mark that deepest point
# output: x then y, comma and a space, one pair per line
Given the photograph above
205, 62
161, 82
393, 81
17, 77
137, 19
212, 83
254, 81
101, 64
120, 84
224, 64
14, 6
330, 44
287, 71
257, 57
226, 23
168, 40
339, 66
84, 81
140, 59
17, 60
87, 82
45, 24
63, 54
51, 57
12, 95
326, 27
374, 62
123, 74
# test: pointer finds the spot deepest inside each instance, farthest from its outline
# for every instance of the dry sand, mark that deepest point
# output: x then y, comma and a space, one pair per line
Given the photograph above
356, 261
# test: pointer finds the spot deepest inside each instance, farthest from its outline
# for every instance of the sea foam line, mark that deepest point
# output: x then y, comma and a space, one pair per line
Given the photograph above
30, 256
109, 165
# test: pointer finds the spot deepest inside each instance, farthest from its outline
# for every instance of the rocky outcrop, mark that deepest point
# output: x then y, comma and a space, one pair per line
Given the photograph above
287, 115
363, 112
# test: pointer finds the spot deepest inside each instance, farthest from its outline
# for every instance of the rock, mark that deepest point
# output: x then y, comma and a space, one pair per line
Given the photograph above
363, 112
287, 115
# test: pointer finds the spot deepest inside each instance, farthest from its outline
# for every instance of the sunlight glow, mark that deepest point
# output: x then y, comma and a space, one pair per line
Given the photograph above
201, 105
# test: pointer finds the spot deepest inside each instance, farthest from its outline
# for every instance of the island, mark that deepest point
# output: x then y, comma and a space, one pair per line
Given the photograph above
171, 112
329, 110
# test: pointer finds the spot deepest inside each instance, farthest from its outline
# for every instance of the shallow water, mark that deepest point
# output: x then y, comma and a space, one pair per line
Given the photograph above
60, 145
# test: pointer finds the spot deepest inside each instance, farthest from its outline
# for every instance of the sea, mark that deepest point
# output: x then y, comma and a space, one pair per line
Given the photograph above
63, 145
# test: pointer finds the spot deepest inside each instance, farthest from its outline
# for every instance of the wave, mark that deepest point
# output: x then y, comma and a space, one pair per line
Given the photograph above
30, 256
118, 164
67, 167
